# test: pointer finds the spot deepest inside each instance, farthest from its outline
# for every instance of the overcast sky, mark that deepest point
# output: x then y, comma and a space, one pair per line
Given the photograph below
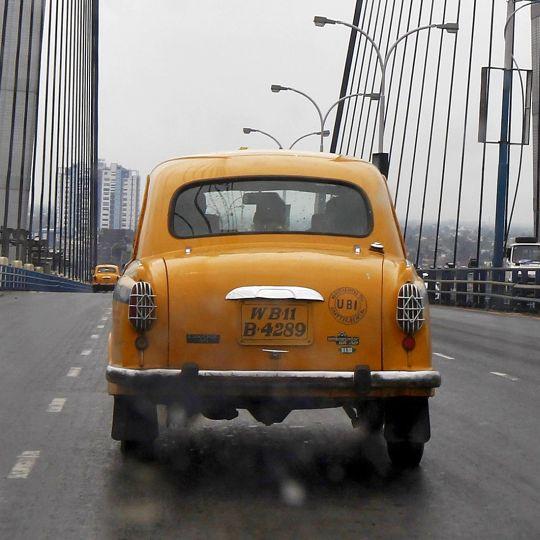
185, 77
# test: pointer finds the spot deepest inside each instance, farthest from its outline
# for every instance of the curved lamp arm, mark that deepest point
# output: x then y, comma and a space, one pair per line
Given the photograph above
251, 130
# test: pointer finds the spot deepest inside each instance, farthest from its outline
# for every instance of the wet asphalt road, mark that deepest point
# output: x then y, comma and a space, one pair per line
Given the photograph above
313, 476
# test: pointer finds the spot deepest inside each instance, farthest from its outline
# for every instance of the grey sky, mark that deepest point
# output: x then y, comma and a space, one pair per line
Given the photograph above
185, 77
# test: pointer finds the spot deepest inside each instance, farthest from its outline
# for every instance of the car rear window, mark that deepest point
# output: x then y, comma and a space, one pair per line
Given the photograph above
107, 270
270, 205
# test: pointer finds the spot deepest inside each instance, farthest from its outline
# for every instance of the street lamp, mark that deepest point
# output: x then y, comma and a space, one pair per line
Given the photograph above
381, 158
276, 88
247, 131
324, 133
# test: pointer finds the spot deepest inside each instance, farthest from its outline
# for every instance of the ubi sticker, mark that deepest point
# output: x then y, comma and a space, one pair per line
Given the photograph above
347, 305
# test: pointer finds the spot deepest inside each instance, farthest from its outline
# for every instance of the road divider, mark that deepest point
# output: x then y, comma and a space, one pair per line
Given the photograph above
24, 465
504, 376
74, 372
56, 405
440, 355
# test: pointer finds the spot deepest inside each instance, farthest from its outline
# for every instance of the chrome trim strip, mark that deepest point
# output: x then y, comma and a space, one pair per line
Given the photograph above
379, 379
274, 292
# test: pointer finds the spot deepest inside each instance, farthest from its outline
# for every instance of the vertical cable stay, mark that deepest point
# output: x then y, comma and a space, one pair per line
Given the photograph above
484, 145
391, 87
351, 80
374, 88
445, 154
370, 80
434, 164
417, 130
465, 124
48, 75
431, 133
363, 65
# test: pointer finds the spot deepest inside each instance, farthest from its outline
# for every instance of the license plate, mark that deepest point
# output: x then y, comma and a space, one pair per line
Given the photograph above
277, 323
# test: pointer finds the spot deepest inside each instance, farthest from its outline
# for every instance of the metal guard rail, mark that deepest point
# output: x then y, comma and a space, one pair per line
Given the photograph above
485, 288
19, 279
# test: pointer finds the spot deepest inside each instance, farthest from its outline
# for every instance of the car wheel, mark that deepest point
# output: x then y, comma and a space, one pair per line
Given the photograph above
405, 454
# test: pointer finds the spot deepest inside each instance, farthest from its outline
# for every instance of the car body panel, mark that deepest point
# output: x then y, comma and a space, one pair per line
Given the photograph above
197, 325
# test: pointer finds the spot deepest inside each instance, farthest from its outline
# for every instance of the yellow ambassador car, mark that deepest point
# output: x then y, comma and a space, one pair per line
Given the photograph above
105, 277
271, 281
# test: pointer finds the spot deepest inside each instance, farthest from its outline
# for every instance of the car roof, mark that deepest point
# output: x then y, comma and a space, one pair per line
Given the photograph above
240, 155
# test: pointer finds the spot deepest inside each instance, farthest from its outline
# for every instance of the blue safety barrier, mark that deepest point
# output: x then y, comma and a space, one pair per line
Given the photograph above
19, 279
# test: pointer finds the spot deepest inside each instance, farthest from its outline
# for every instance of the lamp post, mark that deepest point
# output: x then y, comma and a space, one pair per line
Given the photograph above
381, 158
324, 133
247, 131
276, 88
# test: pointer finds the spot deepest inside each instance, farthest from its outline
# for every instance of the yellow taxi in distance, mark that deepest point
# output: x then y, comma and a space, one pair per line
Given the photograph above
271, 281
105, 277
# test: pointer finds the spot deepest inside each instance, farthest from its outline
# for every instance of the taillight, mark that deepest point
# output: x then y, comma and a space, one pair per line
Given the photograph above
410, 309
142, 306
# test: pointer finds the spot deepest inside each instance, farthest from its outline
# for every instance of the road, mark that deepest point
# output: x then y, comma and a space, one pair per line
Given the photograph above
313, 476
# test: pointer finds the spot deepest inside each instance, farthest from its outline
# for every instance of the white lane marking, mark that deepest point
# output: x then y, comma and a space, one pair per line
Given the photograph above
100, 326
104, 318
74, 372
443, 356
86, 352
94, 336
504, 376
56, 405
25, 464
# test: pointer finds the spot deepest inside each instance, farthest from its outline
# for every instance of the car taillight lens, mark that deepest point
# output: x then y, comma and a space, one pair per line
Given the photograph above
142, 306
410, 309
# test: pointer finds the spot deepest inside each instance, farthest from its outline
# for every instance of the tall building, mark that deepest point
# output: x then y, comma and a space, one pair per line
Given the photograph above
118, 196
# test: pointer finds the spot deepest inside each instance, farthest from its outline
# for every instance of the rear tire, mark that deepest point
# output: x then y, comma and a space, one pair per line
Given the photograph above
135, 425
405, 454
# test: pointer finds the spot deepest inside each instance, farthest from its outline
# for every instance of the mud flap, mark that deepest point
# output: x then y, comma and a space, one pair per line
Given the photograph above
407, 420
134, 419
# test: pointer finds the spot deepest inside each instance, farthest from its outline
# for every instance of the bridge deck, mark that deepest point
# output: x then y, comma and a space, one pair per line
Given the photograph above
479, 476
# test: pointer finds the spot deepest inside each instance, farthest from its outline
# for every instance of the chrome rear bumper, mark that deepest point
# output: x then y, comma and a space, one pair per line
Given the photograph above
362, 380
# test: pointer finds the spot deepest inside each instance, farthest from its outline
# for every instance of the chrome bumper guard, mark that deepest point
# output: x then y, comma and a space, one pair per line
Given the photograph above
362, 379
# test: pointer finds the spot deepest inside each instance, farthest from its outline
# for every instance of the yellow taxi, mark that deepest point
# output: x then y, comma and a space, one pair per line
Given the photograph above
271, 281
105, 277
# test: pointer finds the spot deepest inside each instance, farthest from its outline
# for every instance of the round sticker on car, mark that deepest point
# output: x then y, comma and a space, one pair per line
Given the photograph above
347, 305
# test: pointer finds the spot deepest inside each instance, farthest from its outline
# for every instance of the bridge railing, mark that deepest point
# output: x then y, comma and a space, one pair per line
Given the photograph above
20, 279
485, 288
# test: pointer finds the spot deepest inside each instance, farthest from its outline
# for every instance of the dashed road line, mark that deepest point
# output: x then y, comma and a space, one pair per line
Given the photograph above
86, 352
24, 465
504, 376
56, 405
74, 372
104, 318
94, 336
440, 355
100, 326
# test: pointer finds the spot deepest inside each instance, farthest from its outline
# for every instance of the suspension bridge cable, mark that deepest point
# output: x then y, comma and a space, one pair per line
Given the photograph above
417, 130
433, 111
445, 154
372, 61
363, 65
389, 85
484, 149
352, 79
465, 124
